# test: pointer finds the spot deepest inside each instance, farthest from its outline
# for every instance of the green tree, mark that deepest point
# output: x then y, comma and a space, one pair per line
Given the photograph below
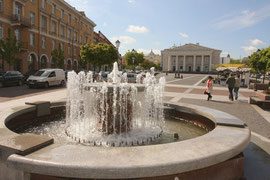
9, 49
58, 57
147, 64
138, 58
261, 63
98, 55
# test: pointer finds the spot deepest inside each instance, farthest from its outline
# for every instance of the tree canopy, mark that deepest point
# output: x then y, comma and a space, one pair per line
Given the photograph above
261, 63
98, 55
9, 49
58, 57
147, 64
138, 58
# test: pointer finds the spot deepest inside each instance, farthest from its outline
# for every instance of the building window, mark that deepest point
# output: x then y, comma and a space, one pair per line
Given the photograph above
53, 44
68, 49
75, 36
53, 8
62, 13
53, 27
75, 51
32, 39
86, 39
43, 4
1, 31
62, 30
18, 10
62, 46
44, 23
80, 39
43, 40
1, 5
31, 1
32, 18
86, 27
69, 18
69, 33
17, 34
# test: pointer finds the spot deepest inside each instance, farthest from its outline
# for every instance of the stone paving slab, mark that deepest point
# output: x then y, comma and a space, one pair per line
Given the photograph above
175, 89
23, 144
243, 111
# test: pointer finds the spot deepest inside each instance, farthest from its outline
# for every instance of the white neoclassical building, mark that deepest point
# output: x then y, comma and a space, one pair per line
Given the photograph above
189, 58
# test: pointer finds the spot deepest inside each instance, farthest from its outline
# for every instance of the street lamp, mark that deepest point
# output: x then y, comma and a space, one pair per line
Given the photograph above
133, 56
117, 45
258, 58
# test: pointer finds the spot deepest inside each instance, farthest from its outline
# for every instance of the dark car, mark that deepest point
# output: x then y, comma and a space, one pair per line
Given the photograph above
11, 78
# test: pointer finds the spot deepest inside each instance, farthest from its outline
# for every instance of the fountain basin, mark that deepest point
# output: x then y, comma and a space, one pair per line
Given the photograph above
226, 140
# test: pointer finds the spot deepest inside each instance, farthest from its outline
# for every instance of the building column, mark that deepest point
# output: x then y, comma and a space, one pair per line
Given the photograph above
202, 63
169, 63
184, 63
194, 63
210, 63
176, 63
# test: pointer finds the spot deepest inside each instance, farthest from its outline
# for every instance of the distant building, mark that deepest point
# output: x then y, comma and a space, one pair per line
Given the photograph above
225, 60
101, 38
155, 58
189, 58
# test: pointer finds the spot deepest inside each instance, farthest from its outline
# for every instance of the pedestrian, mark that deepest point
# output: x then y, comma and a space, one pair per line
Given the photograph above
178, 74
230, 81
237, 86
209, 88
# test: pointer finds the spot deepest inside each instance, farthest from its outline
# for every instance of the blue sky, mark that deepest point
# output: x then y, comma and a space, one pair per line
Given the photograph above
238, 27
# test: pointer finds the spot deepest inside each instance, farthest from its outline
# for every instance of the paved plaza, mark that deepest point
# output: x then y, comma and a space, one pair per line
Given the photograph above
187, 90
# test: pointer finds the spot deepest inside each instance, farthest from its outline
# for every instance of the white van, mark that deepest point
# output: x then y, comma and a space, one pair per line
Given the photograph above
47, 77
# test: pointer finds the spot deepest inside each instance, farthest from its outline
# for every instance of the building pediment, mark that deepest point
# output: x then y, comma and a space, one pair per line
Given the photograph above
192, 47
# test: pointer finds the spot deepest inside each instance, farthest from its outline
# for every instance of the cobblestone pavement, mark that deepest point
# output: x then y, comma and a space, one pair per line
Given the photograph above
242, 110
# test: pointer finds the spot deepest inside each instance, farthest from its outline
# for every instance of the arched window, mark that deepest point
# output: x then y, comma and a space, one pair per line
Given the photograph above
43, 62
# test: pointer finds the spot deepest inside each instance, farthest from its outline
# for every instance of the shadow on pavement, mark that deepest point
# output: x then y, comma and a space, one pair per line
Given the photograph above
256, 163
16, 91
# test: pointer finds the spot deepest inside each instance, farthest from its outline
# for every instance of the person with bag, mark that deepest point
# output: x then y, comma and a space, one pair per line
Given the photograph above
209, 88
237, 86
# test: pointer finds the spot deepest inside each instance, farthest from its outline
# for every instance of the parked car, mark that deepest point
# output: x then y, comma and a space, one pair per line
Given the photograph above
11, 78
46, 78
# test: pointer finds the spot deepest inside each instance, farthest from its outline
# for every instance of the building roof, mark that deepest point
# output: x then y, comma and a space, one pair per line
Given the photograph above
191, 47
101, 38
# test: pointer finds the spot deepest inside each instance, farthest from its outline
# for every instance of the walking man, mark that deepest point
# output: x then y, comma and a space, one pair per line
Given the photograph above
230, 81
237, 86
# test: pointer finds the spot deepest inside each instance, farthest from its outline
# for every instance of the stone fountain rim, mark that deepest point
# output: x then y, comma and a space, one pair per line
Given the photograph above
222, 143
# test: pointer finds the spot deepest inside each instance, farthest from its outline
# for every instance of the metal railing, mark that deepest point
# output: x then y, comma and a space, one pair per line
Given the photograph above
21, 20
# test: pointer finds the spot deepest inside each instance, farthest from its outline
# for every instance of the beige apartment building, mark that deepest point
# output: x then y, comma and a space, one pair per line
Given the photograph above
41, 26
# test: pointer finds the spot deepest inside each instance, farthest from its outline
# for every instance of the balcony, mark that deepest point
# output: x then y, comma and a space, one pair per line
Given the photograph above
19, 20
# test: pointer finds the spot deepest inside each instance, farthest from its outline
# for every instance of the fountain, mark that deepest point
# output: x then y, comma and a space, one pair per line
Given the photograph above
120, 130
114, 112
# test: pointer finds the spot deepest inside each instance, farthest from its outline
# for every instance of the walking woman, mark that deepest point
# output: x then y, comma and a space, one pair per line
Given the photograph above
209, 87
237, 86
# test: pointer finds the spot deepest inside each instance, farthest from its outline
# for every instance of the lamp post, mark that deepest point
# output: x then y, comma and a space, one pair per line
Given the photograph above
133, 57
258, 57
117, 45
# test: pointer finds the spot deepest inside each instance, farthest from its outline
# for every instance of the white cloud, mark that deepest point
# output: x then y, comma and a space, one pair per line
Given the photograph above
147, 51
137, 29
245, 19
257, 42
249, 49
123, 39
131, 1
184, 35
